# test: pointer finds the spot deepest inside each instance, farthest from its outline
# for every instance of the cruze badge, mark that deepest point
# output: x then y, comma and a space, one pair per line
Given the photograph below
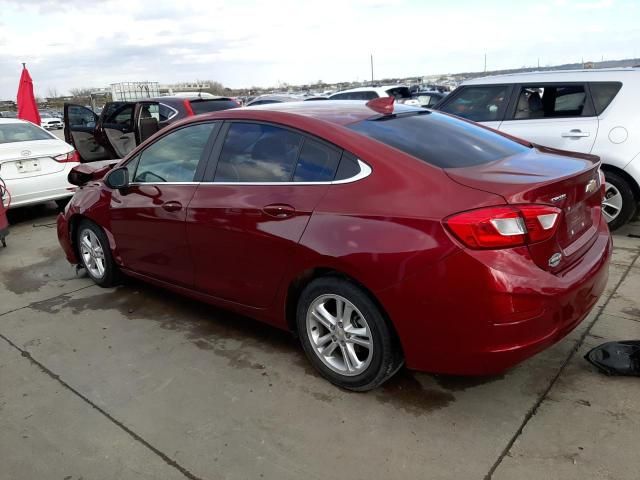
559, 198
554, 261
591, 186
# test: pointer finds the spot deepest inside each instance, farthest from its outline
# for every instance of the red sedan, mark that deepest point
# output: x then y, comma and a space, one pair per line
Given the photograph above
379, 233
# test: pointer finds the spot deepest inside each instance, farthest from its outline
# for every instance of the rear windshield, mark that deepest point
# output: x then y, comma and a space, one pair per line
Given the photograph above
206, 106
440, 140
22, 132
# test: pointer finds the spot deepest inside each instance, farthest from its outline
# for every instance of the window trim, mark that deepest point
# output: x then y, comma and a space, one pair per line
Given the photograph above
174, 112
214, 157
517, 88
502, 111
202, 163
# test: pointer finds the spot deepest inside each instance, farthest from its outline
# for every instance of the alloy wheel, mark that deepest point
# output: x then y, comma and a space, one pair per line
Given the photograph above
612, 202
339, 334
92, 253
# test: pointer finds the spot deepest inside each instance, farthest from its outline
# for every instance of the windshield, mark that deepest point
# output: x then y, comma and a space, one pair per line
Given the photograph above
206, 106
440, 140
22, 132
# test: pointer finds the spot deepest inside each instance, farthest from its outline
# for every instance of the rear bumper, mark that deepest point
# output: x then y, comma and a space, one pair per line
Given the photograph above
41, 189
482, 312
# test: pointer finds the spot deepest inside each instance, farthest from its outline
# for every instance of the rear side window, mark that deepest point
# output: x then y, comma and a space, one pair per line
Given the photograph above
603, 93
206, 106
317, 162
480, 104
440, 140
254, 152
544, 101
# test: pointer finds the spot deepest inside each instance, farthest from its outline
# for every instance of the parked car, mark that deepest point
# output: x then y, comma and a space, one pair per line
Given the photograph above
463, 253
34, 163
122, 126
428, 99
50, 122
8, 114
401, 93
267, 99
587, 111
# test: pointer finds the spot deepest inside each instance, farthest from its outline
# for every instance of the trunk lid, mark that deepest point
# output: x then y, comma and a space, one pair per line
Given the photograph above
31, 159
566, 180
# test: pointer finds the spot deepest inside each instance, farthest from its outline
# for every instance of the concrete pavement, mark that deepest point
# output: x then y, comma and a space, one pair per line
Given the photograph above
133, 382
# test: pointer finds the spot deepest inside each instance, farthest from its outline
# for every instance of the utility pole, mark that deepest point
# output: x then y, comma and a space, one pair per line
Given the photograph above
485, 62
538, 63
372, 69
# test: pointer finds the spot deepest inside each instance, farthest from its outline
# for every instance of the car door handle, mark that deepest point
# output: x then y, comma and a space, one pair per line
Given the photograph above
279, 210
172, 206
576, 133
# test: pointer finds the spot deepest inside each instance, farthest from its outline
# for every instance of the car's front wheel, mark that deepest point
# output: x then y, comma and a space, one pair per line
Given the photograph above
345, 335
95, 254
619, 203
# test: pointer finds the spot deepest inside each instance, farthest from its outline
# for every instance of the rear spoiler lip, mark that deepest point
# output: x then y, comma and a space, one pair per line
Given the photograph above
567, 153
86, 172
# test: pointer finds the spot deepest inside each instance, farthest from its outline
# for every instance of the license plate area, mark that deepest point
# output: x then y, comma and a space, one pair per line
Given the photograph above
28, 166
577, 220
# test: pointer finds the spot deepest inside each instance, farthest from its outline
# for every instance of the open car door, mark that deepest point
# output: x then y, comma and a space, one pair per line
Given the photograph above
80, 131
146, 120
116, 128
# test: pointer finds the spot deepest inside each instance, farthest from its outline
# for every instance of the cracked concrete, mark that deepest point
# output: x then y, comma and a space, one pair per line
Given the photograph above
134, 383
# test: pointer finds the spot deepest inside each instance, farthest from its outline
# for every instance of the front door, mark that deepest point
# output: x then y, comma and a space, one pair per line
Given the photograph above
246, 218
554, 115
80, 131
148, 217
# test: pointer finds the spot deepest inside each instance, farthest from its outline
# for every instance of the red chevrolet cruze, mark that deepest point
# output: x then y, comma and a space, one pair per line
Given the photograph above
379, 233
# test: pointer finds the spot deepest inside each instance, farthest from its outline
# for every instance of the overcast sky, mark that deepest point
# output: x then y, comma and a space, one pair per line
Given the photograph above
241, 43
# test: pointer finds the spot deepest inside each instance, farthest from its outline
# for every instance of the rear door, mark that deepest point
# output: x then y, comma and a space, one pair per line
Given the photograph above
479, 103
116, 128
80, 130
248, 215
146, 119
557, 115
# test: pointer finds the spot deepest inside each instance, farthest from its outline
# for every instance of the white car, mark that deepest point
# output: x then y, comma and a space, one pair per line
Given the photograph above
51, 123
587, 111
34, 163
401, 93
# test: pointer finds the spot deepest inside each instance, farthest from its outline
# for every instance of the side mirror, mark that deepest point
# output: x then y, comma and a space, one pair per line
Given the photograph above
118, 178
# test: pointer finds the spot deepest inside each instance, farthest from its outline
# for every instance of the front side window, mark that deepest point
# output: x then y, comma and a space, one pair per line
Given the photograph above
550, 101
174, 157
120, 114
254, 152
480, 104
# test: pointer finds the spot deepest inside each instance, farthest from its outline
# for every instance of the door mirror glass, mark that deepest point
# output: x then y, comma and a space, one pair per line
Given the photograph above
118, 178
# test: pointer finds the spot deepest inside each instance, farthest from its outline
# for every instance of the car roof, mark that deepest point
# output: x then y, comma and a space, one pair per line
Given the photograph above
339, 112
600, 74
182, 98
379, 88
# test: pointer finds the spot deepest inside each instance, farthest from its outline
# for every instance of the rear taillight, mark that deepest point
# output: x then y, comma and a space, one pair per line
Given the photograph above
603, 186
72, 156
503, 227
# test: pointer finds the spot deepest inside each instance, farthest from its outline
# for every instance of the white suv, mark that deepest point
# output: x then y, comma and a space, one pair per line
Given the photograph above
588, 111
401, 93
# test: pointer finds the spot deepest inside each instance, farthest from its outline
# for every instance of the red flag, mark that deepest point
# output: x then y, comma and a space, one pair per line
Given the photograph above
27, 106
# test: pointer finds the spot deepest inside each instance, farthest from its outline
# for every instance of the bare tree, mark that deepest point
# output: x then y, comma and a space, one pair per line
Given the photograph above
52, 92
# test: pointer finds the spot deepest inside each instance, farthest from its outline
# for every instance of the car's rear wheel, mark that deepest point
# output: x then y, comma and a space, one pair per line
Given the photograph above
619, 203
345, 335
95, 254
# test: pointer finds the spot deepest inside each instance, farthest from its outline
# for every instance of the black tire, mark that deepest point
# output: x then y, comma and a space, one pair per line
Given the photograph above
111, 275
385, 357
629, 202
